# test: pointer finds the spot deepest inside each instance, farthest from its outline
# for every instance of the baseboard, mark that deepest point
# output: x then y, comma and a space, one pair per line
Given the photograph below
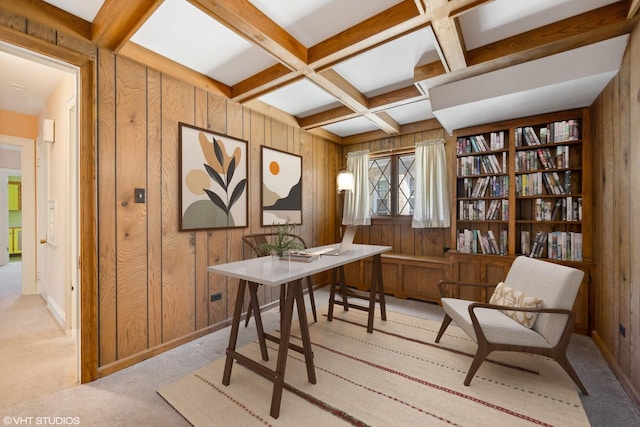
633, 393
58, 313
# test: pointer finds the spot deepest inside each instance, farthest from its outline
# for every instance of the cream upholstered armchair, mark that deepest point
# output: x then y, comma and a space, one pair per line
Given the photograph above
539, 295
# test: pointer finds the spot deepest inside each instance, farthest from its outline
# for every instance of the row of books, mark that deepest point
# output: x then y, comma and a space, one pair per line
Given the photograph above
474, 242
562, 209
542, 158
566, 130
487, 186
537, 183
477, 165
478, 143
481, 210
560, 245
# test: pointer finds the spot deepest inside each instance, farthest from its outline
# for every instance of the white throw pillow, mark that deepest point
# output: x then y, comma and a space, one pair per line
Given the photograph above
504, 295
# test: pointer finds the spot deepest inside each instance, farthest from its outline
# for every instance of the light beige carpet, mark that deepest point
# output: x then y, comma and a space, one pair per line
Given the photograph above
396, 376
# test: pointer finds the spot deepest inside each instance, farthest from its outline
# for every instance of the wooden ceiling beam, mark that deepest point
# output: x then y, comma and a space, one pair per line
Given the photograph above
443, 15
587, 28
387, 100
151, 59
249, 22
383, 27
327, 117
118, 20
336, 85
420, 6
49, 15
384, 121
633, 8
424, 125
396, 98
266, 80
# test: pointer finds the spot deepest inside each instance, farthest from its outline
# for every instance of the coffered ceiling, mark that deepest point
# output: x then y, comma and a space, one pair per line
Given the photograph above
362, 69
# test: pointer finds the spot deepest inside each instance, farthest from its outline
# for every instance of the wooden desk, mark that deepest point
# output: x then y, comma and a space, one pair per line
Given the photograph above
263, 271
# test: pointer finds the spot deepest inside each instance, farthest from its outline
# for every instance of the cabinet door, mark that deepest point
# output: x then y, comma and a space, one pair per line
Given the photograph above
14, 196
467, 269
17, 240
11, 250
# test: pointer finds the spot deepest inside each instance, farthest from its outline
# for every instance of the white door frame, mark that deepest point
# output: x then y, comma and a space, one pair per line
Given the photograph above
73, 221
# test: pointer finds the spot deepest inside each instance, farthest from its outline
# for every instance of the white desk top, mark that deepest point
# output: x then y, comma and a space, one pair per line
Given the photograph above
263, 270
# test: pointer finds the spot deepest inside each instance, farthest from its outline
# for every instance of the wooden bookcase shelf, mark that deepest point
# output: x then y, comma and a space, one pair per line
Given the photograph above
523, 186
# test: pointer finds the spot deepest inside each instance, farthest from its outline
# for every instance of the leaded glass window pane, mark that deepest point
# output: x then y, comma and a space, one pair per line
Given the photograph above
406, 184
380, 186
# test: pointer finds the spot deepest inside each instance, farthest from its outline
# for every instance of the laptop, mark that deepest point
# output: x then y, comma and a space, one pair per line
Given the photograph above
345, 245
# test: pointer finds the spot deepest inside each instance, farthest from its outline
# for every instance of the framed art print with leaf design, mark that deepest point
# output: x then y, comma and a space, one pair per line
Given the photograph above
213, 180
281, 187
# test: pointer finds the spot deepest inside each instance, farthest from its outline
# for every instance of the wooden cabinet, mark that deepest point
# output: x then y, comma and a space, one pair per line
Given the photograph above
523, 187
404, 276
15, 240
478, 269
14, 196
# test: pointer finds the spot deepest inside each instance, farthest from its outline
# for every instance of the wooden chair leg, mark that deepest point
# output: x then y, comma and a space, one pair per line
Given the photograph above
312, 299
481, 354
445, 324
564, 362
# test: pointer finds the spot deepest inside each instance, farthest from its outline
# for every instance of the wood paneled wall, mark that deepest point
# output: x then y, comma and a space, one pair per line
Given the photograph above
403, 238
154, 287
616, 154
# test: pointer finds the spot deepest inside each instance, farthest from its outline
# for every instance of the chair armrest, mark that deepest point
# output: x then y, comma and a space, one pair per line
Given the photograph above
444, 293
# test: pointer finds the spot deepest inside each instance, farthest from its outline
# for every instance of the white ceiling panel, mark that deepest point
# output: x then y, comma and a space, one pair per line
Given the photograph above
185, 34
500, 19
301, 99
312, 21
391, 65
351, 127
414, 112
85, 9
578, 77
575, 94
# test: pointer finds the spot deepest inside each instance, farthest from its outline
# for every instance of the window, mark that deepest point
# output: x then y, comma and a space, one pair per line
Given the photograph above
392, 185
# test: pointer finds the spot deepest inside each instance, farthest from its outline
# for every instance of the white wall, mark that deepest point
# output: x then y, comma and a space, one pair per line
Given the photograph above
59, 280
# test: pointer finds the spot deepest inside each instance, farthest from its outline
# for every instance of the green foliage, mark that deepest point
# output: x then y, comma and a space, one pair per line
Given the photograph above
284, 240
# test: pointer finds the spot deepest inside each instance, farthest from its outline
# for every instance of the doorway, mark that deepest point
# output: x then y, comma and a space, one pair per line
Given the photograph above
50, 240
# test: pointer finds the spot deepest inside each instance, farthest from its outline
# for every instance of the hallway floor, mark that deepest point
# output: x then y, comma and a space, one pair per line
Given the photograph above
37, 356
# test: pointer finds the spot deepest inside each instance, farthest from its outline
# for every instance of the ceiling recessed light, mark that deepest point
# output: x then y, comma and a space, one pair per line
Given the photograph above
18, 87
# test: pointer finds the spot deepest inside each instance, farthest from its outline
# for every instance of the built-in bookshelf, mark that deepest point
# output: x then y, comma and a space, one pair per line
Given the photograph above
520, 187
548, 184
523, 187
482, 183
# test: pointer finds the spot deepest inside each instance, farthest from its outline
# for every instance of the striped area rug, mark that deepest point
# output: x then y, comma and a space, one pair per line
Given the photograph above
396, 376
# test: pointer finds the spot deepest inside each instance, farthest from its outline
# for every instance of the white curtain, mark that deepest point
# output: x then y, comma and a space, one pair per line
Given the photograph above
431, 208
356, 202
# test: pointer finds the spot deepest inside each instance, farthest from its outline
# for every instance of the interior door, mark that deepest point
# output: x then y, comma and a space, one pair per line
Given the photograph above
42, 174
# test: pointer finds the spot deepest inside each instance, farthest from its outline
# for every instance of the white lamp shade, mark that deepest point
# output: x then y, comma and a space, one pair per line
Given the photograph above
344, 181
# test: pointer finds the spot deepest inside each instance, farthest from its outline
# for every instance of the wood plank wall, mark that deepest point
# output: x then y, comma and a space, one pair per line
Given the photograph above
153, 285
403, 238
616, 154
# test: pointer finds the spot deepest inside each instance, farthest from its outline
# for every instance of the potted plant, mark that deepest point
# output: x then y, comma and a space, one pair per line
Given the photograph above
282, 241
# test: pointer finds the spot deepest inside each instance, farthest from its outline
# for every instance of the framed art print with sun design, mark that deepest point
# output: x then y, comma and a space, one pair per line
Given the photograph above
213, 180
281, 187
